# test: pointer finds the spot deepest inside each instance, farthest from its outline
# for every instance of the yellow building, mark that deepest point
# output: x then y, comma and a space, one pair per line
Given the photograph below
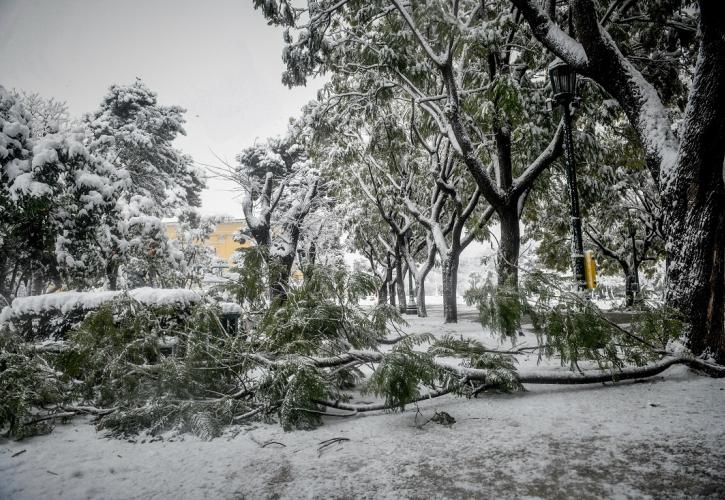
221, 240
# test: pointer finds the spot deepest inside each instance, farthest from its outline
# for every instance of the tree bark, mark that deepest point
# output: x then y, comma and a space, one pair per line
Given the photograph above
449, 271
112, 274
507, 260
400, 283
694, 194
420, 297
420, 283
279, 268
383, 293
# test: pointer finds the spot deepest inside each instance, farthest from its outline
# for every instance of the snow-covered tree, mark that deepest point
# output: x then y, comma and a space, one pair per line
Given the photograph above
626, 48
134, 133
280, 187
456, 64
54, 195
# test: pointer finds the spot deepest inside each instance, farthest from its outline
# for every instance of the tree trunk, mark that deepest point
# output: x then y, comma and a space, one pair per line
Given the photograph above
383, 293
694, 194
629, 289
38, 283
696, 267
112, 275
420, 297
507, 259
400, 289
449, 271
420, 281
420, 290
279, 268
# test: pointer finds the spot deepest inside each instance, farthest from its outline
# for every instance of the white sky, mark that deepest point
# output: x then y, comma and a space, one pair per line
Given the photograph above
216, 58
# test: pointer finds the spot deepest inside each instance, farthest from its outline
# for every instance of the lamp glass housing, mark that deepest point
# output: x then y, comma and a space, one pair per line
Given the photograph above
563, 80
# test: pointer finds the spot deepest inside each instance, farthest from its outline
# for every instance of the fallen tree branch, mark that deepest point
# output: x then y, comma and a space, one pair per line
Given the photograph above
359, 408
90, 410
472, 374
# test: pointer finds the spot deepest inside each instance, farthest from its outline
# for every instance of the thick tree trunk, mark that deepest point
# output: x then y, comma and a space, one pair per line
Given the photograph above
696, 267
449, 271
420, 297
507, 259
694, 197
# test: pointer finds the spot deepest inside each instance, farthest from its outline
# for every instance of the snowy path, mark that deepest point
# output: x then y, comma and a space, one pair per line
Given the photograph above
661, 438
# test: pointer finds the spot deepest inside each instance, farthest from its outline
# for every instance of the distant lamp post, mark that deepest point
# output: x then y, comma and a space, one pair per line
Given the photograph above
563, 85
412, 307
634, 275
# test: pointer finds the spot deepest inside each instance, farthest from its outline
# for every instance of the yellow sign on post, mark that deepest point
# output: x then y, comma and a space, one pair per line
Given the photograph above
590, 270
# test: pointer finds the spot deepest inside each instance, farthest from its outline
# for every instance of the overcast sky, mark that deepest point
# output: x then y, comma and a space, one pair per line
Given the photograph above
216, 58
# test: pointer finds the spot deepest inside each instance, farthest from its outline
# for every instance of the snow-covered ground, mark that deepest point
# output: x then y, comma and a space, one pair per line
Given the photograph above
663, 437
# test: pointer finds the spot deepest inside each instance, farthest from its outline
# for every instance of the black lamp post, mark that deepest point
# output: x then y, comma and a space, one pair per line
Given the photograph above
634, 285
563, 84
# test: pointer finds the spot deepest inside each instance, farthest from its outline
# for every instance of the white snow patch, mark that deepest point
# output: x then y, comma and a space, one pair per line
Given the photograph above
65, 302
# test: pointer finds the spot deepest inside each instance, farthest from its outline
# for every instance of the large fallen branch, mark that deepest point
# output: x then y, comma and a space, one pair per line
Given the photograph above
470, 374
359, 408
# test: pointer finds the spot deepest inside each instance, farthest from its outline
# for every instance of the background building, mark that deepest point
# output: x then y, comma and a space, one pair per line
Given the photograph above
222, 239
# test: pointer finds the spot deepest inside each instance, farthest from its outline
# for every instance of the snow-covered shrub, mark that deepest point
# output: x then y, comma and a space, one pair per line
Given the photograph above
51, 316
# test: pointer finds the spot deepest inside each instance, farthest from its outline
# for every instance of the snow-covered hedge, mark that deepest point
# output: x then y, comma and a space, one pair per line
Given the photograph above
52, 315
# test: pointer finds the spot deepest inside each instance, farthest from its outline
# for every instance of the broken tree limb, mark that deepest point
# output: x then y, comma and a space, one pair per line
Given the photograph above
471, 374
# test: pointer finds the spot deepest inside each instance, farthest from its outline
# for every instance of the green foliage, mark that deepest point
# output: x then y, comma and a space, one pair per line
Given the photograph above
294, 391
572, 328
322, 315
500, 368
499, 307
152, 369
251, 284
202, 418
400, 375
27, 382
122, 357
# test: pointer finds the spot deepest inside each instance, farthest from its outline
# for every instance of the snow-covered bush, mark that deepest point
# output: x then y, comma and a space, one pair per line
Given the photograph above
51, 316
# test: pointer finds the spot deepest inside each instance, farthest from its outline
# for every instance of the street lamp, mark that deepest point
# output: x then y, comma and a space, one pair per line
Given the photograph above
634, 275
563, 85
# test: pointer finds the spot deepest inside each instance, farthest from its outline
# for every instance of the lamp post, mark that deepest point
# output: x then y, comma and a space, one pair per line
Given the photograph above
634, 275
563, 84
